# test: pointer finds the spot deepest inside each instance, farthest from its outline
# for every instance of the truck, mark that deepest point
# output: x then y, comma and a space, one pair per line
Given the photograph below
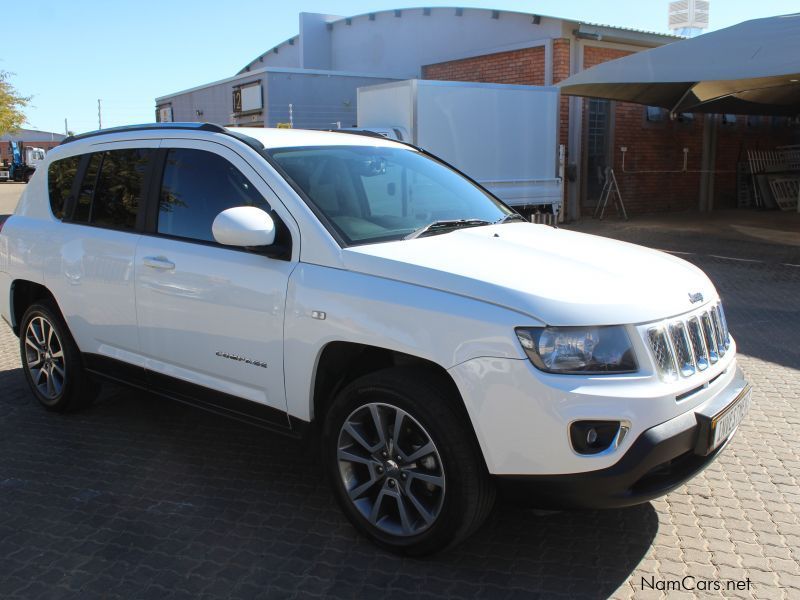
24, 160
504, 136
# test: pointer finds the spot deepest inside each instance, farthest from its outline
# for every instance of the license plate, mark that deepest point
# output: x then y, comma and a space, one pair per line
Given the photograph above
726, 422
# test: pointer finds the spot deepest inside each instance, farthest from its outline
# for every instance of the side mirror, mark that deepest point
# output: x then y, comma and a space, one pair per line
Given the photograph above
245, 226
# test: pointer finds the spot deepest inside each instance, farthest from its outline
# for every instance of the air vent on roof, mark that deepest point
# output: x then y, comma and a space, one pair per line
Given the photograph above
688, 14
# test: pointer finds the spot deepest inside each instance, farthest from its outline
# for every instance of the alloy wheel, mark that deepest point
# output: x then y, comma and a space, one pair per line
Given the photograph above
44, 358
391, 469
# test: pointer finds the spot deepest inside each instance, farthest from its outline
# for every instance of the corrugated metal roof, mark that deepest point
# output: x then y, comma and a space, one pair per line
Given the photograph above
32, 135
488, 10
631, 29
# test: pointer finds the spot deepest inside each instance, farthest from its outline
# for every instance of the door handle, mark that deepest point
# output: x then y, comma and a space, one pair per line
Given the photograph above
158, 262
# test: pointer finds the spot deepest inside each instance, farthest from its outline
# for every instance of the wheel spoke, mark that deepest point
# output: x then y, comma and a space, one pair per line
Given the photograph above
49, 337
422, 452
59, 354
378, 422
398, 425
348, 456
31, 343
359, 439
58, 370
38, 335
435, 480
50, 388
37, 376
56, 385
358, 491
420, 508
376, 508
405, 521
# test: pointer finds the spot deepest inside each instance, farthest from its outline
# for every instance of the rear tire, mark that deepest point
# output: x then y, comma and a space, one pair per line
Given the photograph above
51, 360
416, 487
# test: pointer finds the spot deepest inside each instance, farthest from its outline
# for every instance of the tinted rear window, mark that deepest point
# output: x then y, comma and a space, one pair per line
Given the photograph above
60, 176
118, 192
112, 187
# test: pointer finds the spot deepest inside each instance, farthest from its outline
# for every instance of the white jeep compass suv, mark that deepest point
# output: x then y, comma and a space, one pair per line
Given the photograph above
360, 292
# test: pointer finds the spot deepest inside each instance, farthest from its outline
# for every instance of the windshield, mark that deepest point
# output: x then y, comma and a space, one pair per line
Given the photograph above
377, 194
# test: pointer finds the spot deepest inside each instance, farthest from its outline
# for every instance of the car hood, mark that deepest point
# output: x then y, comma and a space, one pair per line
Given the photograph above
556, 276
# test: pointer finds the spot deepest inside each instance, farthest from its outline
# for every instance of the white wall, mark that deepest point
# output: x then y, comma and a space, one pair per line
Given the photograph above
400, 46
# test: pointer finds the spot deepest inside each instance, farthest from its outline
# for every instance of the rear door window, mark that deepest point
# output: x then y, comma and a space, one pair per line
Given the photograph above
60, 177
118, 192
112, 188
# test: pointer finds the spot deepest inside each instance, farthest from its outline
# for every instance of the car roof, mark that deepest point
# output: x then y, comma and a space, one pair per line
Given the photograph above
294, 138
259, 137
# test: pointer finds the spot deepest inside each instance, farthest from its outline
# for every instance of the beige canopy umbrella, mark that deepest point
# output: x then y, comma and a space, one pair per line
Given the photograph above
750, 68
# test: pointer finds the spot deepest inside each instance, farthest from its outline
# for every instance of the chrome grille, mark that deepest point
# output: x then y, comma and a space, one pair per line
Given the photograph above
698, 343
722, 342
662, 352
683, 349
687, 345
710, 337
726, 333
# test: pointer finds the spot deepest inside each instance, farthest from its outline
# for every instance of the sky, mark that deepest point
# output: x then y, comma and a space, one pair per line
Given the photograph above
66, 55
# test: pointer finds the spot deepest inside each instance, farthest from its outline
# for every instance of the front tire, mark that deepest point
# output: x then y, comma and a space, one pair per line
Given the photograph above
51, 360
403, 463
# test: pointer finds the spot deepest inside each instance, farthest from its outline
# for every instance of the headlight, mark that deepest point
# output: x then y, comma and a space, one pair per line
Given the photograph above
578, 350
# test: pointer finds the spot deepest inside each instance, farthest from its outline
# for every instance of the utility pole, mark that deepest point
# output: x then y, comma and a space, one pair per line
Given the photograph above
66, 129
99, 115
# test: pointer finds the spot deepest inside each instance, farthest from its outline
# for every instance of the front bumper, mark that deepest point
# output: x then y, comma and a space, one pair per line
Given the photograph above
660, 459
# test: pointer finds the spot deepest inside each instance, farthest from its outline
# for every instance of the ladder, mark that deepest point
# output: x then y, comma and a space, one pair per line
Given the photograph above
610, 190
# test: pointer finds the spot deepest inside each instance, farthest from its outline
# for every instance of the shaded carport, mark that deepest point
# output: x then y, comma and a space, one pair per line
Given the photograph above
752, 68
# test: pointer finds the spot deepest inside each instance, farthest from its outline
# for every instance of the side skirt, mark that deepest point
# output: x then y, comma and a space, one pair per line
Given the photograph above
195, 395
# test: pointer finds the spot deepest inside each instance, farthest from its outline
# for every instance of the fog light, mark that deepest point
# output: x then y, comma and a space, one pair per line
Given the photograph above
592, 437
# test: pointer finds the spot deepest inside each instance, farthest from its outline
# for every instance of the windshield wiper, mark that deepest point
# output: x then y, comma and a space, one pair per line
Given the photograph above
445, 225
510, 217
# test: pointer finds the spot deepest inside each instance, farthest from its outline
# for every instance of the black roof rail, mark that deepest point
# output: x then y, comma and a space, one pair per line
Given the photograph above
362, 132
250, 141
147, 127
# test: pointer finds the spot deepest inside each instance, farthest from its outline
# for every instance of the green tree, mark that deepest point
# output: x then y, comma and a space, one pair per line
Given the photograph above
11, 105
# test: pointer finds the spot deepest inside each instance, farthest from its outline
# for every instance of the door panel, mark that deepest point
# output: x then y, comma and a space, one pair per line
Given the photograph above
94, 287
91, 271
208, 314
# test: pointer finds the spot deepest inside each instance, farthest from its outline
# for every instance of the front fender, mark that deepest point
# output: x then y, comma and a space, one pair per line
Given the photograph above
443, 328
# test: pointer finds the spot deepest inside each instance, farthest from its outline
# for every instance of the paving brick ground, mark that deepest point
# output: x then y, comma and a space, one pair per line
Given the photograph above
139, 498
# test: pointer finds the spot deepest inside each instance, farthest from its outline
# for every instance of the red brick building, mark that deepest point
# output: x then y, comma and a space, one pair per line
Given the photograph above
668, 164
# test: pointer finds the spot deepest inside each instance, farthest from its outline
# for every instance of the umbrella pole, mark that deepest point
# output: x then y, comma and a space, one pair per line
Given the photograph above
601, 208
611, 188
619, 195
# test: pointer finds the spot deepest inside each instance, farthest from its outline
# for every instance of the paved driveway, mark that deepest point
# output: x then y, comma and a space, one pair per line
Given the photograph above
140, 497
9, 195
